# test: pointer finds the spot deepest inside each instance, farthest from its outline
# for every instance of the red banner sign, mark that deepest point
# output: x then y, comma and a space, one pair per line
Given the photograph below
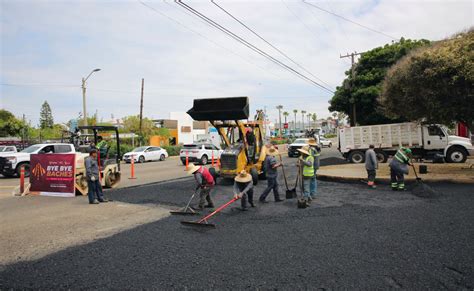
53, 174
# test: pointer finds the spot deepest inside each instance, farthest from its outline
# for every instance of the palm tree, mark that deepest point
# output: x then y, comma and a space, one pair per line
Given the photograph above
279, 107
309, 119
314, 117
295, 111
303, 112
286, 114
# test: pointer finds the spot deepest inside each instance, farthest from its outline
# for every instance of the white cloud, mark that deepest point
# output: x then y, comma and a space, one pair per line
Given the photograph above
61, 41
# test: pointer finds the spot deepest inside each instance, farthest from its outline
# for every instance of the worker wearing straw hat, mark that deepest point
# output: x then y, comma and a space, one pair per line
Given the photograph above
243, 189
306, 161
271, 166
315, 151
205, 182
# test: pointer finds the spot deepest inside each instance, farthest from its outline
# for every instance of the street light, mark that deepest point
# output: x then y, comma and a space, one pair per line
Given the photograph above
84, 95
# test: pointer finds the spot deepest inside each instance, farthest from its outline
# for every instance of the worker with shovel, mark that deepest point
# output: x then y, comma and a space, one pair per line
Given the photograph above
306, 161
271, 166
205, 182
399, 168
315, 151
243, 189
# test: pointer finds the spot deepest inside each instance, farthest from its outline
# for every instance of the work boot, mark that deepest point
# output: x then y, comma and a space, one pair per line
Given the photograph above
262, 201
104, 200
394, 189
244, 209
200, 207
278, 200
251, 203
94, 202
210, 205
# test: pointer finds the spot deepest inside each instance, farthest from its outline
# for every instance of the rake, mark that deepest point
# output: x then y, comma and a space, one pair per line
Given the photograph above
203, 222
186, 210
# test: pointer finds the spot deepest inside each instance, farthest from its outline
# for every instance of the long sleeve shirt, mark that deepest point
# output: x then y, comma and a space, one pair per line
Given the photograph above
371, 162
242, 187
92, 168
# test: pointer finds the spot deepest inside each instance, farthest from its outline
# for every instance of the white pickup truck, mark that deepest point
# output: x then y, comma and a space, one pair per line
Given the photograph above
7, 150
425, 141
10, 164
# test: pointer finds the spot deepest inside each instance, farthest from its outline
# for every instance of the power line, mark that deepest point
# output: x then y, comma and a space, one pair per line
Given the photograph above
267, 42
351, 21
39, 85
203, 36
249, 45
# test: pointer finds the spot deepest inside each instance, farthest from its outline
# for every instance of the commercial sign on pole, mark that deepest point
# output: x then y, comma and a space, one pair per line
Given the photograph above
53, 174
285, 125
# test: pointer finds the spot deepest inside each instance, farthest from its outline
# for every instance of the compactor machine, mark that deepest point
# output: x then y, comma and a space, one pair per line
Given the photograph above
242, 140
109, 166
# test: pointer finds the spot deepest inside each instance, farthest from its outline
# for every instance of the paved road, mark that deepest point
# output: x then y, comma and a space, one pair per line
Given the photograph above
350, 238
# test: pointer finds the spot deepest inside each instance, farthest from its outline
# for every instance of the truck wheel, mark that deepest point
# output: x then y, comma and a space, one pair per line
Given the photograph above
456, 155
254, 174
381, 157
27, 169
356, 157
204, 160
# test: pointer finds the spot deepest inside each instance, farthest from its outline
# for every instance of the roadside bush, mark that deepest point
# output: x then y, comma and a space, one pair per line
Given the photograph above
330, 135
279, 141
172, 150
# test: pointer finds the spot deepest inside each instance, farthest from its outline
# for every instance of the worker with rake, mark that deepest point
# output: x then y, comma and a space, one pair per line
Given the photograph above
205, 182
271, 166
315, 151
399, 168
306, 162
243, 189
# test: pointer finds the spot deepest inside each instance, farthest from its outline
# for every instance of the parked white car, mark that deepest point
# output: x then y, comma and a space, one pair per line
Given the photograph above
324, 142
297, 144
146, 153
199, 153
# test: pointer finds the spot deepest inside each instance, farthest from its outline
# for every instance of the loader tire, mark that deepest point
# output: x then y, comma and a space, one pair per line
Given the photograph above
254, 174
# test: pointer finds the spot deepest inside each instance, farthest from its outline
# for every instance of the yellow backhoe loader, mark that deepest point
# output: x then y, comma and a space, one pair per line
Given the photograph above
243, 140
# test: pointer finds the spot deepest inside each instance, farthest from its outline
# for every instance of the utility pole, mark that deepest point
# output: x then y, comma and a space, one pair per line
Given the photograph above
141, 106
352, 55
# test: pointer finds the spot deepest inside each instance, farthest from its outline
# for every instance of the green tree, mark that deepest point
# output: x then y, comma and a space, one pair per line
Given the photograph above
10, 125
132, 124
46, 116
364, 89
433, 84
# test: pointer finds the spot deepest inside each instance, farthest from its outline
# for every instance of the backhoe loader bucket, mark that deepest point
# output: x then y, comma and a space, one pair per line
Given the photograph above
226, 108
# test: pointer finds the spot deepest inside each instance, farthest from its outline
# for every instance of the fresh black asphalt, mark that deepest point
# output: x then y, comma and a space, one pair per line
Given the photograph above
350, 238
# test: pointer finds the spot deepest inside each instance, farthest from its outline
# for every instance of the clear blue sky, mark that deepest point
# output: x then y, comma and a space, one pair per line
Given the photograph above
48, 46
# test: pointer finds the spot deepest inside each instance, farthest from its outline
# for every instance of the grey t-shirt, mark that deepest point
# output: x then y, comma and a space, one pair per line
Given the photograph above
271, 172
371, 160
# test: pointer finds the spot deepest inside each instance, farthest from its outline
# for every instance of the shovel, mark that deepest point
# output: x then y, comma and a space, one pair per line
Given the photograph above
186, 210
203, 221
301, 203
421, 189
290, 193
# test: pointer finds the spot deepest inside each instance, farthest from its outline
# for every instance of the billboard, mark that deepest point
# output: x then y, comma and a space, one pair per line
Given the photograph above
53, 174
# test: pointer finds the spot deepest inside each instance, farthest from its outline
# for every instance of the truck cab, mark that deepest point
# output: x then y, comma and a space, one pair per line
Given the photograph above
455, 149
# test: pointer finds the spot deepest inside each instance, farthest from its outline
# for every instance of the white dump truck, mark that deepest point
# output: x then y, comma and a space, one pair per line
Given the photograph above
426, 142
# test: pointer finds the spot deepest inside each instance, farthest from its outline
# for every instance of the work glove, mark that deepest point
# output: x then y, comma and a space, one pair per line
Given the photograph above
93, 179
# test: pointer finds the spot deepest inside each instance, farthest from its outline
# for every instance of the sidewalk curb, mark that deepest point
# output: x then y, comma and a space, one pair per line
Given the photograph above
386, 180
